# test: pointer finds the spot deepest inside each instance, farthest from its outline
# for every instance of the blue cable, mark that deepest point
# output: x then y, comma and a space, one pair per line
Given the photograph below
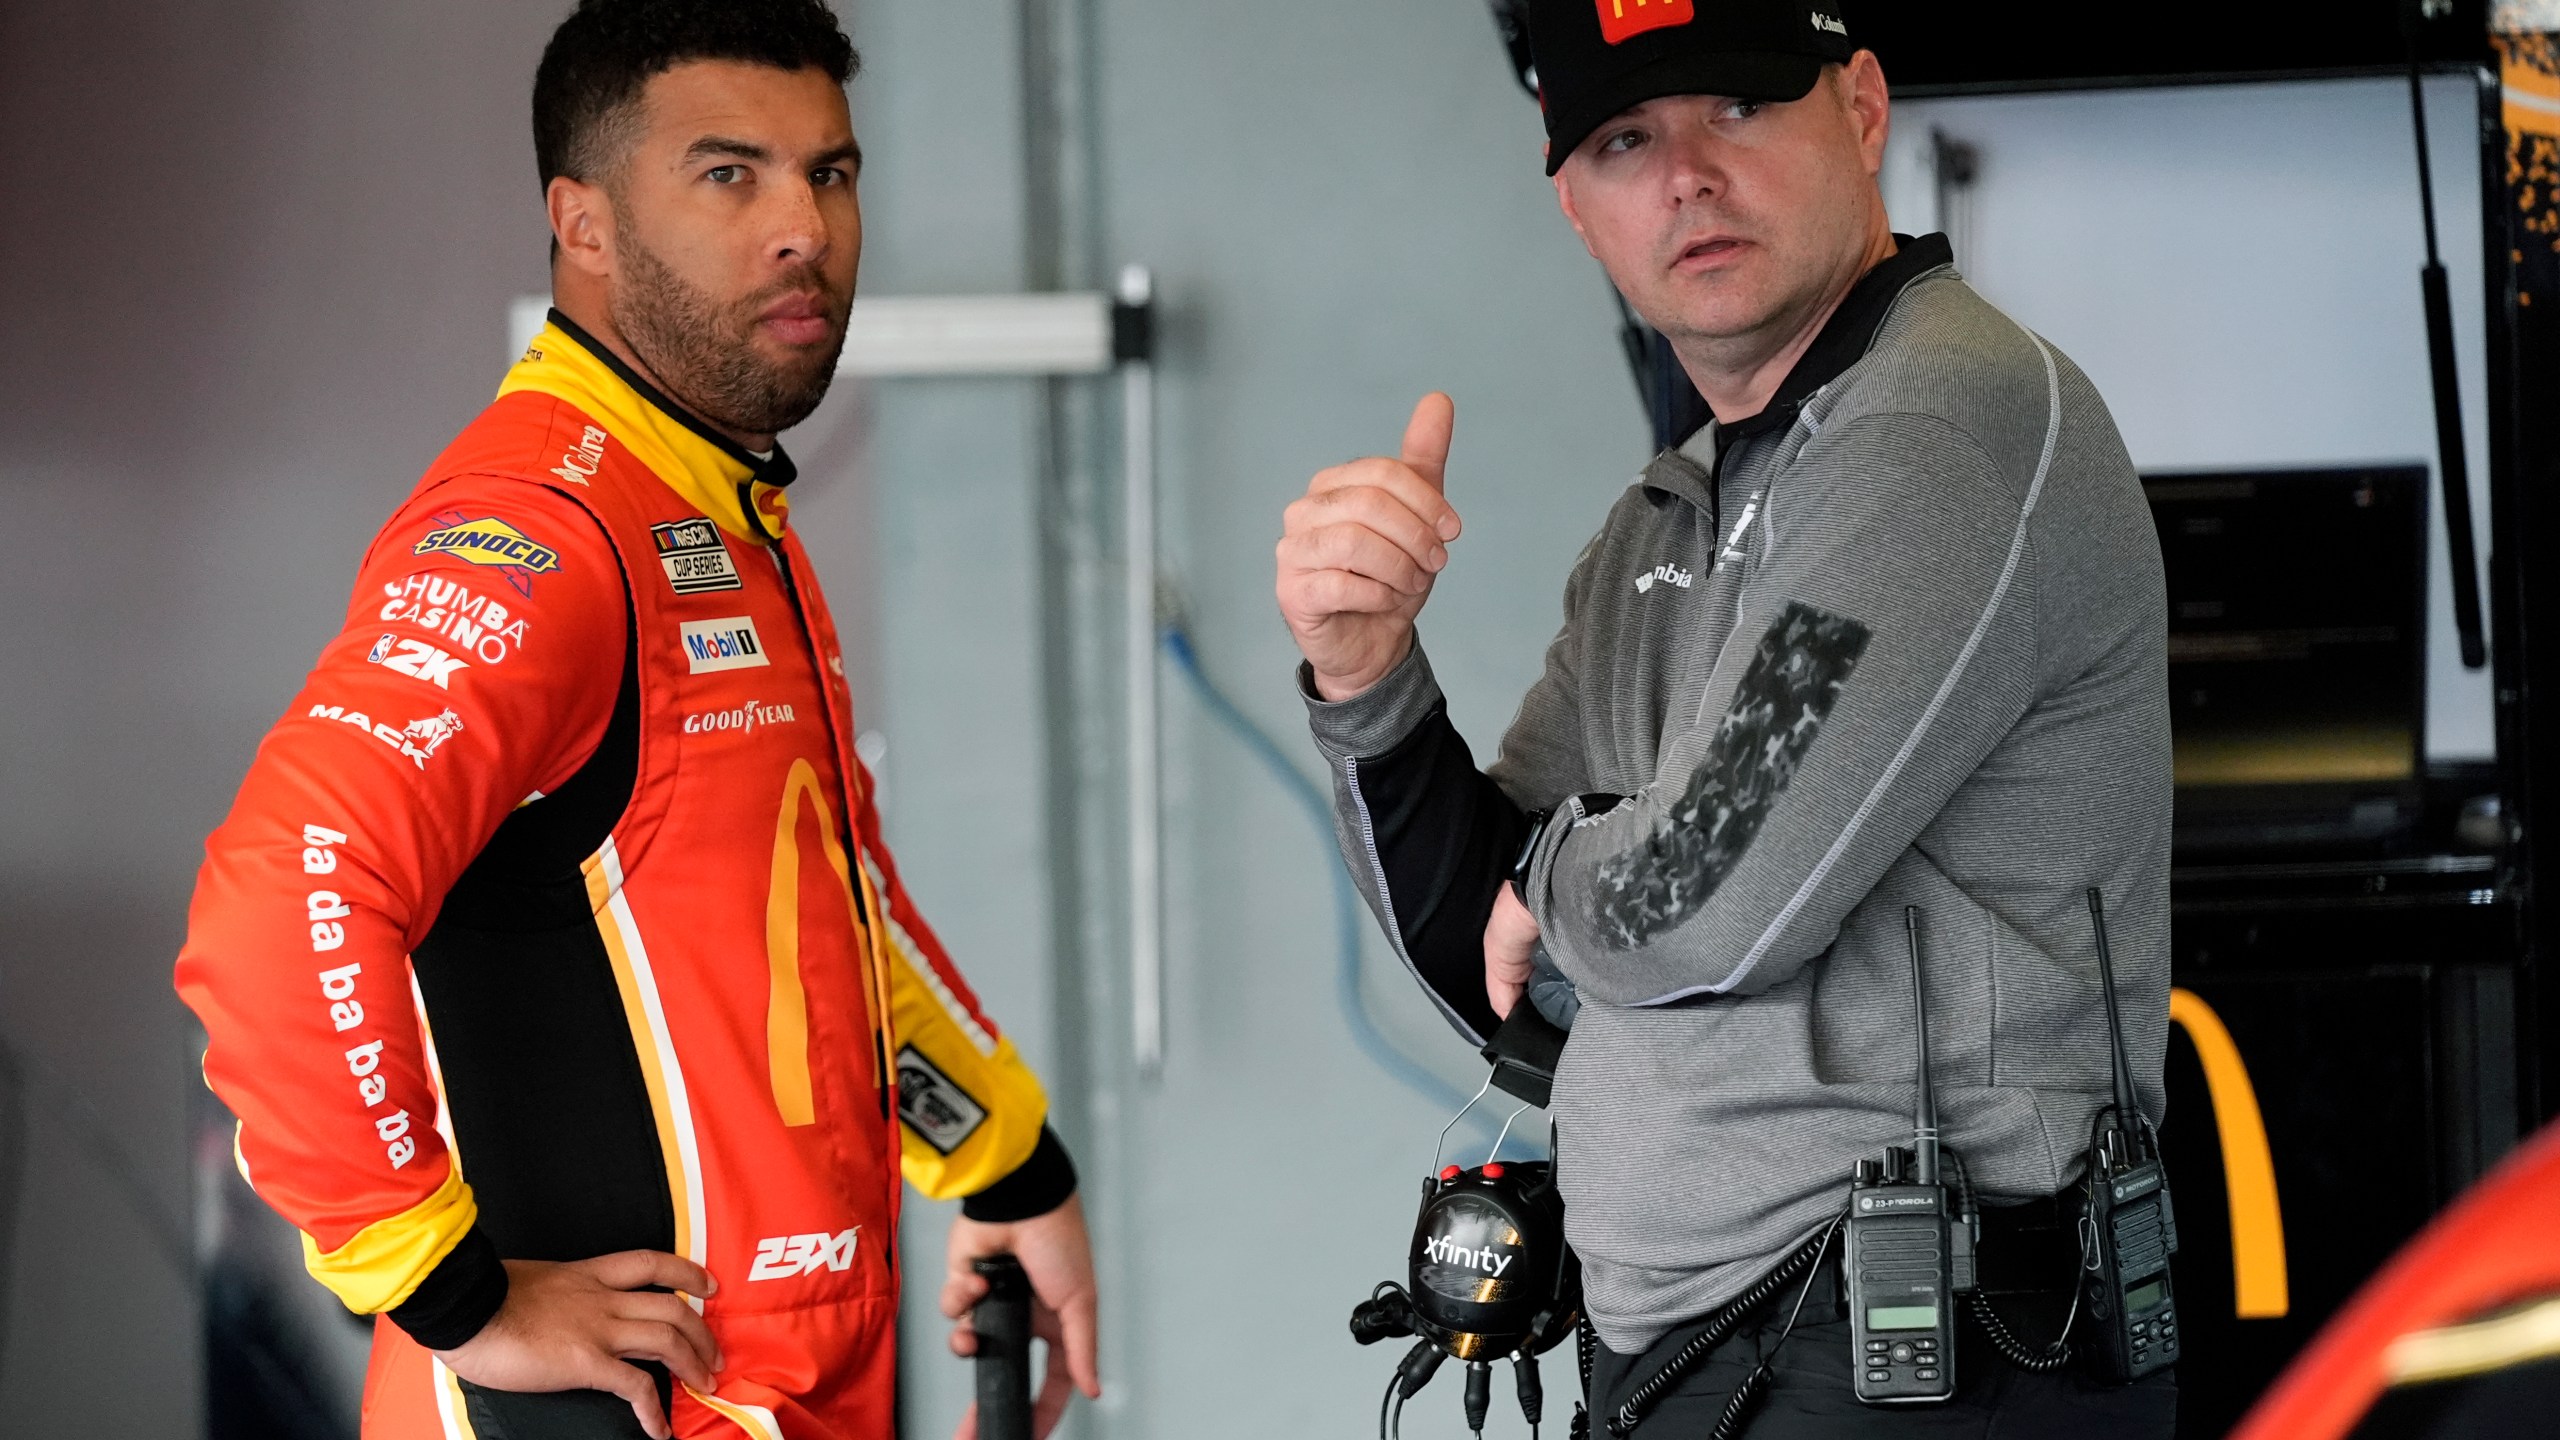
1349, 916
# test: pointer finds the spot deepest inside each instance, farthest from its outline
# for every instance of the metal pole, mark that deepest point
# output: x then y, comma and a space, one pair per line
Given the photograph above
1133, 348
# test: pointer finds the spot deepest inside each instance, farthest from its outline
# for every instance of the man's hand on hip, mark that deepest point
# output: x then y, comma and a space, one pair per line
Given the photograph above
1058, 1260
1510, 935
1359, 551
572, 1327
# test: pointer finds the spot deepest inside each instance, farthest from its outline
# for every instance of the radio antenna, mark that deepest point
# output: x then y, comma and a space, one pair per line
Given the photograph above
2128, 1114
1924, 1118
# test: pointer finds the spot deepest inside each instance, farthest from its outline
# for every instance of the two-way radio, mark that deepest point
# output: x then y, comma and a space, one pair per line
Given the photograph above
2128, 1227
1909, 1254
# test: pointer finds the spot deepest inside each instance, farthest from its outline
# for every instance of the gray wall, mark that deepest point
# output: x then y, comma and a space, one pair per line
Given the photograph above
249, 260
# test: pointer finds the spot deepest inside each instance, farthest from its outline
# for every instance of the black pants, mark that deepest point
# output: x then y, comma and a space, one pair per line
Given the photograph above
1809, 1396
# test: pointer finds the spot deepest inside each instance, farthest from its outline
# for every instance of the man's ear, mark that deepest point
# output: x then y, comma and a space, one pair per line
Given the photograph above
1573, 217
1870, 105
581, 224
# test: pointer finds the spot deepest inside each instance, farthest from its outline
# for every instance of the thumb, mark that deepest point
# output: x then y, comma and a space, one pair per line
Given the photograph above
1426, 437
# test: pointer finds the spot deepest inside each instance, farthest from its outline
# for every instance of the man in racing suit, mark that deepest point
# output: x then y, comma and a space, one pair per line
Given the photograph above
551, 960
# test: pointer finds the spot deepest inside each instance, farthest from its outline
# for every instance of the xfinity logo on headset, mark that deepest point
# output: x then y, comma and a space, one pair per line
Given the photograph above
1446, 1251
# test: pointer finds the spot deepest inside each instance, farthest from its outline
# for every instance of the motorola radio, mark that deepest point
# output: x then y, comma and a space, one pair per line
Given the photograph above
1909, 1254
2128, 1227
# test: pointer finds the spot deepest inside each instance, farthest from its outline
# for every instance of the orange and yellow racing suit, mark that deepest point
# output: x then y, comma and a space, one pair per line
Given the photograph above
553, 920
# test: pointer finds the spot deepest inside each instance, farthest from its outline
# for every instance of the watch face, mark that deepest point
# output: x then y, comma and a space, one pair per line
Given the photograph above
1529, 850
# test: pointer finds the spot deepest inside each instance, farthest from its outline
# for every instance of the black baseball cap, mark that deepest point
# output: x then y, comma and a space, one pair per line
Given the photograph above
1599, 57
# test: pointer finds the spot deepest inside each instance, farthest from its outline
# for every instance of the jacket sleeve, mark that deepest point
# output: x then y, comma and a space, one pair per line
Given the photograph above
1428, 837
973, 1117
1885, 642
454, 692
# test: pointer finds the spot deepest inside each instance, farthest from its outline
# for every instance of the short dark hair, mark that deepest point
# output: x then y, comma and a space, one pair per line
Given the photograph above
599, 59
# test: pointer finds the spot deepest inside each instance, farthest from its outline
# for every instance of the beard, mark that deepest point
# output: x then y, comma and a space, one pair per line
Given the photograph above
704, 352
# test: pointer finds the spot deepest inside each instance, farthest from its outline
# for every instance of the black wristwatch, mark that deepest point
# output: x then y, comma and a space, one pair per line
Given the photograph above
1528, 853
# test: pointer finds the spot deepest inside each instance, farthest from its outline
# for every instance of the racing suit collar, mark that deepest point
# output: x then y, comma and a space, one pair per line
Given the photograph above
740, 491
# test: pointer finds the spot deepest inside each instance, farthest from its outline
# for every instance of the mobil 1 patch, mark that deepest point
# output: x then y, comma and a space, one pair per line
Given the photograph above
940, 1113
695, 559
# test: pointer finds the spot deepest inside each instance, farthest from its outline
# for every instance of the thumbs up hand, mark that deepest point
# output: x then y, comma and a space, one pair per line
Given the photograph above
1359, 552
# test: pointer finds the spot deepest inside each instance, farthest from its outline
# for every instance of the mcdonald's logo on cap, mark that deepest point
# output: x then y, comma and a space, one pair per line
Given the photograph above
1621, 19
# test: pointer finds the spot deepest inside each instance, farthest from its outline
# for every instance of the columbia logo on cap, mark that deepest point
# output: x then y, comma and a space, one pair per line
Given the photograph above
1623, 19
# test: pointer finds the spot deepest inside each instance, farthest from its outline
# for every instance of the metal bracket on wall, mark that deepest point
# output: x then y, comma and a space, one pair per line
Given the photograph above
1058, 334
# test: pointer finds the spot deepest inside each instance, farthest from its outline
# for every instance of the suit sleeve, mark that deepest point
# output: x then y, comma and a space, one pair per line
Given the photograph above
454, 692
973, 1117
1886, 641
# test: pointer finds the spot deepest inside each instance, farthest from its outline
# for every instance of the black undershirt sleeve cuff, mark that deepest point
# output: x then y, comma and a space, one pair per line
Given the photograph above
457, 1297
1037, 1186
1445, 835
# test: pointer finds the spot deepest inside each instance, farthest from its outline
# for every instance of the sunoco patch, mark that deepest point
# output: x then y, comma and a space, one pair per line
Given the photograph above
491, 542
942, 1114
695, 559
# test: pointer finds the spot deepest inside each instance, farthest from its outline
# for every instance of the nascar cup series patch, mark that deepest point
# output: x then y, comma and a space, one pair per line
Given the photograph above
695, 559
492, 542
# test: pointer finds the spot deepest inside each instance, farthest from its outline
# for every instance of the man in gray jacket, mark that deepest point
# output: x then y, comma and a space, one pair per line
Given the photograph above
1888, 632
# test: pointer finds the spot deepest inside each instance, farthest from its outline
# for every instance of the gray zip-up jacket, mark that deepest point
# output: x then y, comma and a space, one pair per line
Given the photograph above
1899, 640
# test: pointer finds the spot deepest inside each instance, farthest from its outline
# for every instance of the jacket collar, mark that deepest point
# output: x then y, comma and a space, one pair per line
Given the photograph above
1844, 341
741, 492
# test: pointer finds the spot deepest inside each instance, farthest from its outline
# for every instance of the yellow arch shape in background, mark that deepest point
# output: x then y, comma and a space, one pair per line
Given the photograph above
2258, 1284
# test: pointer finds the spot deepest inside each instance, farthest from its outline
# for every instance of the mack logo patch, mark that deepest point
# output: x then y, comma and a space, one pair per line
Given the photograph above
417, 741
1622, 20
940, 1113
784, 1256
492, 542
694, 558
729, 644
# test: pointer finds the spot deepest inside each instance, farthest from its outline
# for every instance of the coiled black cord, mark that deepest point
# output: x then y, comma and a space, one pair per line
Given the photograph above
1746, 1399
1719, 1329
2035, 1362
2038, 1360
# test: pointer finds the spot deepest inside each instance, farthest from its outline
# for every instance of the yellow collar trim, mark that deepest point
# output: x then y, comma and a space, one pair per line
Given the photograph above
707, 473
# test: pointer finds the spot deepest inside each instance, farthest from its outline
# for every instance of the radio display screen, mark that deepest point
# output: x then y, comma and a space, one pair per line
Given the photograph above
1902, 1317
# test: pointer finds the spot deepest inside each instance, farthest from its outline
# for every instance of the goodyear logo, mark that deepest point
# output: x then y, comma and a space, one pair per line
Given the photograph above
490, 542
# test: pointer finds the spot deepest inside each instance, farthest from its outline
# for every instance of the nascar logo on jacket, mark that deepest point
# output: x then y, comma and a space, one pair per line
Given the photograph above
695, 559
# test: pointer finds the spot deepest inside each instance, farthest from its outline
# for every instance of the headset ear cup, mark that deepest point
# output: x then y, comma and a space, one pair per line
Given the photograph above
1490, 1273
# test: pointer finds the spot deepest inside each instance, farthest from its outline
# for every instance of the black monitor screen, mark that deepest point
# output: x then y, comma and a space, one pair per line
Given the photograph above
1969, 45
2297, 613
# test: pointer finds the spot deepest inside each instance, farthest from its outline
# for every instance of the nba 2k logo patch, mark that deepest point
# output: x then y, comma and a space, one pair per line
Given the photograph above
941, 1113
1621, 20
